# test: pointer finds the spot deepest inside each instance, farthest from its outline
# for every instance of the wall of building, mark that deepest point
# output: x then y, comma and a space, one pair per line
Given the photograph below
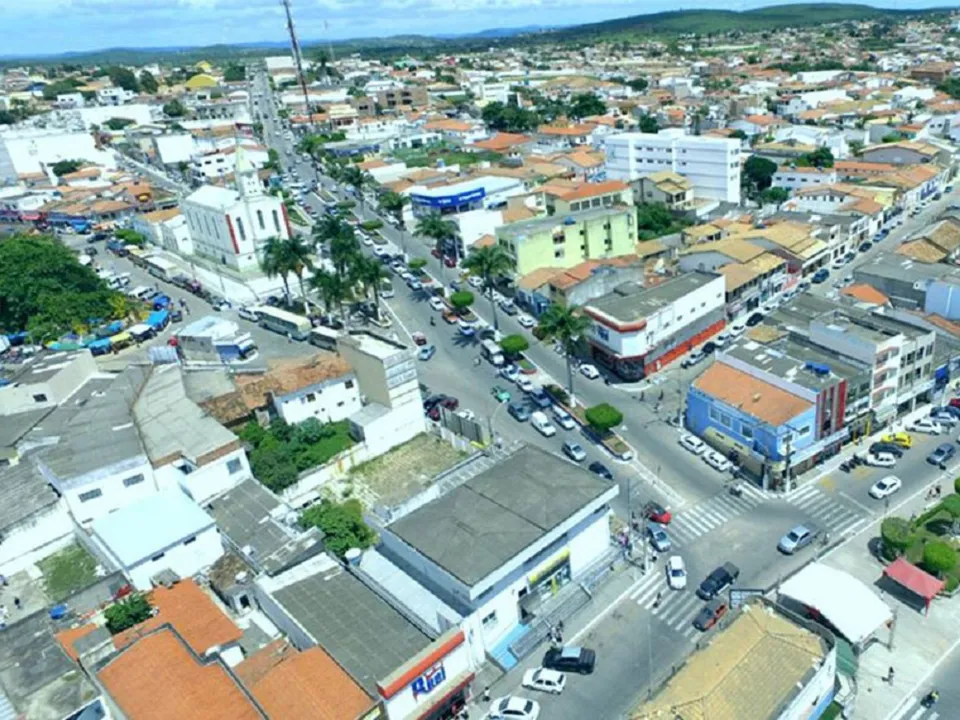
327, 402
943, 298
400, 425
206, 481
816, 694
35, 537
106, 489
407, 703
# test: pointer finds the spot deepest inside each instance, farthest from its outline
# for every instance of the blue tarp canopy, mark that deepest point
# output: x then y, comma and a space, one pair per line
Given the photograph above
158, 318
110, 329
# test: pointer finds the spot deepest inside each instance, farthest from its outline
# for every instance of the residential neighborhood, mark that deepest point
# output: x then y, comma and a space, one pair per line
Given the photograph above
566, 371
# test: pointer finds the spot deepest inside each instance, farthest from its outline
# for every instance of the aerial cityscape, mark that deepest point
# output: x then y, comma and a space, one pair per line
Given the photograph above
524, 361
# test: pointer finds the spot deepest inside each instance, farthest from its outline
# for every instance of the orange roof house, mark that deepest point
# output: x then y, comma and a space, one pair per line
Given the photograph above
751, 396
502, 142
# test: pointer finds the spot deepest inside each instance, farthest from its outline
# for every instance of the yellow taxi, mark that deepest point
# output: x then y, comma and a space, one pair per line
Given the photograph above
902, 439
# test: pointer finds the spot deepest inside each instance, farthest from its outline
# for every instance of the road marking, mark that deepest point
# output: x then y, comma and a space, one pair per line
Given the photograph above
731, 506
682, 532
642, 585
918, 713
693, 521
860, 504
649, 597
680, 610
704, 517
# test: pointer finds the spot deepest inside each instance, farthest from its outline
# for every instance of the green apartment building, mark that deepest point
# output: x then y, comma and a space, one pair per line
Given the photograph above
564, 241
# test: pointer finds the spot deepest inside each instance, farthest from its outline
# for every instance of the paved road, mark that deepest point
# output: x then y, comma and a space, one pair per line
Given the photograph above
945, 680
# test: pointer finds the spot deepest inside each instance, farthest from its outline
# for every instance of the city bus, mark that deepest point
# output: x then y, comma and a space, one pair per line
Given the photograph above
285, 323
324, 337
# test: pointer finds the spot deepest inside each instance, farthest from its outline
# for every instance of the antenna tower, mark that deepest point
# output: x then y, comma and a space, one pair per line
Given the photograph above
297, 59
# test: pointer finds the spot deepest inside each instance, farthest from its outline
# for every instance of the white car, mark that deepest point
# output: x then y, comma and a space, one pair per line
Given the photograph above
564, 419
510, 372
589, 372
676, 573
545, 680
414, 284
526, 321
437, 303
693, 358
885, 487
514, 708
881, 459
525, 385
738, 329
475, 281
693, 444
925, 425
716, 461
248, 313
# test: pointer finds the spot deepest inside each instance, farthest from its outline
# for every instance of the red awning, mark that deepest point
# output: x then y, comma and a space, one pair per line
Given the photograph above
914, 579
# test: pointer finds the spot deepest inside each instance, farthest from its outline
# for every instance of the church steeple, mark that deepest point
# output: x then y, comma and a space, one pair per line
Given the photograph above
245, 175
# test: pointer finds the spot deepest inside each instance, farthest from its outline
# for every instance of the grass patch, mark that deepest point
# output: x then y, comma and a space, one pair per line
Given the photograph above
449, 155
68, 571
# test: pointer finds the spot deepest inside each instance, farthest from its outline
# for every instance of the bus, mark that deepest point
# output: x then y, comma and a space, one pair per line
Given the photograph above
285, 323
492, 352
160, 268
324, 337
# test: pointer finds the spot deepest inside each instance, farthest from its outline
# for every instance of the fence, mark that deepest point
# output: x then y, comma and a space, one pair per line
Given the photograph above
305, 490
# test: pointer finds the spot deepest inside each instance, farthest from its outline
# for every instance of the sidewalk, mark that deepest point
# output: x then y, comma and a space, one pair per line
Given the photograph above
919, 641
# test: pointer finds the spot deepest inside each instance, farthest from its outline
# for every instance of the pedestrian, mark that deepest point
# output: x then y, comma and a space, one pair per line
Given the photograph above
889, 677
486, 693
560, 625
16, 603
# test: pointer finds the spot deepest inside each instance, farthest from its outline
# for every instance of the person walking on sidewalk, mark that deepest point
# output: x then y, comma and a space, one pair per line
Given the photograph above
485, 696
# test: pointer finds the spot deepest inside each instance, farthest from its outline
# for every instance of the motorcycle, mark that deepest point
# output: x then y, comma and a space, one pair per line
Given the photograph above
736, 490
930, 699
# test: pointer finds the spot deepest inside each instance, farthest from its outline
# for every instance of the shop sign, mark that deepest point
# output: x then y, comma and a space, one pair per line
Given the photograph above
548, 566
428, 681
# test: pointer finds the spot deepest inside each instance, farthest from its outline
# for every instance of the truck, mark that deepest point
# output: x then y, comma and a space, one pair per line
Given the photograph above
718, 581
160, 268
492, 352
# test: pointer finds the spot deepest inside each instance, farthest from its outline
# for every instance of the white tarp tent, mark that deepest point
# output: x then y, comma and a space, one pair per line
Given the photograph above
848, 604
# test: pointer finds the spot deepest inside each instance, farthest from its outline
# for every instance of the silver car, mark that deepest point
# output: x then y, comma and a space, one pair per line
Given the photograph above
798, 538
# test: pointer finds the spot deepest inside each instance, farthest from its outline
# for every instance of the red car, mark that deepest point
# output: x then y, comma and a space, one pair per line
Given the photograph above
450, 262
435, 253
954, 402
658, 513
710, 614
450, 403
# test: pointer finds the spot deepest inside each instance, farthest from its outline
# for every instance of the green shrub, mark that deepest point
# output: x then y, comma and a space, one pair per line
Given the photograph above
952, 583
126, 613
604, 417
939, 557
342, 525
371, 225
513, 345
461, 300
558, 394
346, 205
417, 264
951, 503
282, 451
896, 534
956, 485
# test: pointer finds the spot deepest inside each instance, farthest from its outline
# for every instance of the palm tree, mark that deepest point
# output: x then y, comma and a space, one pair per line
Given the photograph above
435, 227
357, 179
297, 253
341, 242
489, 262
331, 289
273, 261
393, 203
565, 324
370, 273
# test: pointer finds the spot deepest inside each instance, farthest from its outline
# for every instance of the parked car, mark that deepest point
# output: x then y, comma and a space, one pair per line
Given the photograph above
898, 438
539, 397
510, 372
657, 535
693, 358
676, 573
710, 614
564, 419
755, 319
545, 680
885, 460
820, 276
942, 454
526, 321
925, 425
427, 352
718, 581
864, 246
579, 660
574, 451
798, 538
525, 385
885, 447
598, 468
248, 313
693, 443
437, 303
589, 371
716, 461
500, 394
514, 708
518, 411
885, 487
708, 347
657, 513
944, 417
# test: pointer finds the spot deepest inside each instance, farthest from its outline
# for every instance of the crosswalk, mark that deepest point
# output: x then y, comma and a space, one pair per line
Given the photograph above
832, 516
698, 520
913, 710
677, 608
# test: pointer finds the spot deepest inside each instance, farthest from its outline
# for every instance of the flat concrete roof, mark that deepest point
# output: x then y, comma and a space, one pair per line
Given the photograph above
366, 636
518, 230
491, 518
24, 491
789, 360
631, 302
44, 367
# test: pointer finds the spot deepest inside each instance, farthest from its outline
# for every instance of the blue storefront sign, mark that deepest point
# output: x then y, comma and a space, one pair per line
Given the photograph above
428, 681
463, 198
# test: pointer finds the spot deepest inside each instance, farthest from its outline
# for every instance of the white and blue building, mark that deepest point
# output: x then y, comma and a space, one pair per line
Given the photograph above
479, 193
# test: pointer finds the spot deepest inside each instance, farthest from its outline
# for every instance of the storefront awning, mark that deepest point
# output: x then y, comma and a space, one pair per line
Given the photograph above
914, 579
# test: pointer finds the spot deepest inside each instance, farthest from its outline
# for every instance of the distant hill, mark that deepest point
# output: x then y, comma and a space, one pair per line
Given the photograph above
775, 17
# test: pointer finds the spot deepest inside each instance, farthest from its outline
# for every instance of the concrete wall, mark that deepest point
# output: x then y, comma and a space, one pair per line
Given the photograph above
109, 484
327, 402
943, 298
206, 481
33, 538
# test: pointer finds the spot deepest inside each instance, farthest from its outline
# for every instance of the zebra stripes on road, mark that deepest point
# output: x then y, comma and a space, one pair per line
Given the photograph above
833, 516
677, 608
709, 515
918, 711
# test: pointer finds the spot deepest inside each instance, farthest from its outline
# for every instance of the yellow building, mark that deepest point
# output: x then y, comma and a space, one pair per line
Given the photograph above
563, 242
201, 81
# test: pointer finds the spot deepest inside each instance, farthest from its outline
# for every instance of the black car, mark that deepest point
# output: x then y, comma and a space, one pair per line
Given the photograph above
865, 246
570, 659
598, 468
718, 581
755, 319
540, 398
708, 347
886, 447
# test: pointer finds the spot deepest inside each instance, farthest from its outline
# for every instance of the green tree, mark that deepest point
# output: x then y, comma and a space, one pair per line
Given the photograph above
61, 87
758, 173
585, 105
117, 123
567, 326
393, 203
45, 290
856, 147
950, 86
274, 262
896, 534
513, 345
461, 300
342, 525
822, 157
358, 180
273, 160
438, 229
148, 83
638, 84
331, 288
370, 273
739, 135
489, 263
174, 108
655, 220
649, 124
939, 557
604, 417
123, 78
297, 254
509, 118
417, 264
341, 241
235, 72
65, 167
130, 237
125, 613
774, 196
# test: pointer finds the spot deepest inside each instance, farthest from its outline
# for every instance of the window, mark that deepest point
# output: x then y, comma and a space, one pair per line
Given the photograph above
234, 465
240, 230
190, 540
746, 431
131, 481
726, 420
260, 219
490, 620
90, 495
39, 397
276, 221
311, 397
155, 558
348, 384
715, 414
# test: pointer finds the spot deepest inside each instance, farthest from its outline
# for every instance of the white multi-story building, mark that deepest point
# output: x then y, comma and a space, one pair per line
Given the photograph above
711, 164
216, 164
231, 226
798, 178
114, 96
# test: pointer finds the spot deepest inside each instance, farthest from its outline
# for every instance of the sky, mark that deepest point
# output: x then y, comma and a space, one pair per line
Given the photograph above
42, 27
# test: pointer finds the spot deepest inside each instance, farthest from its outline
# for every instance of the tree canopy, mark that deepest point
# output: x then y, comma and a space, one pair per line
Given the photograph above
44, 289
655, 220
235, 73
819, 158
118, 123
758, 173
124, 614
585, 105
174, 108
148, 82
604, 417
649, 124
65, 167
513, 345
342, 525
123, 78
509, 118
